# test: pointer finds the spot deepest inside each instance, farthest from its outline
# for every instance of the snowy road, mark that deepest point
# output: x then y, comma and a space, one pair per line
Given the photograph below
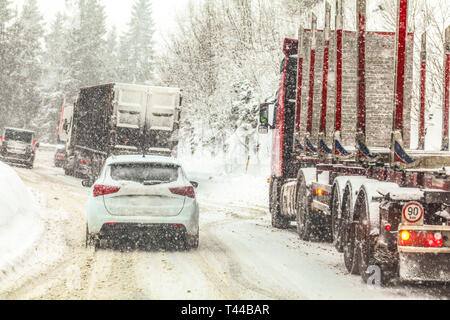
240, 256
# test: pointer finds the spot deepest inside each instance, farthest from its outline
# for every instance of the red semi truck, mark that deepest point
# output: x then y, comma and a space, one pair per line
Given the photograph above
339, 165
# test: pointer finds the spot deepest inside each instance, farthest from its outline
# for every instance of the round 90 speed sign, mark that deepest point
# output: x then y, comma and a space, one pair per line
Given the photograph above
412, 212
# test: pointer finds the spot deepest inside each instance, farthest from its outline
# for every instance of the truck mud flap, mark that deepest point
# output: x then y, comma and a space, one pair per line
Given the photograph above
425, 267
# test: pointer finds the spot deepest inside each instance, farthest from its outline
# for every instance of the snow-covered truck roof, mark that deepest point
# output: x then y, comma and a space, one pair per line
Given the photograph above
20, 130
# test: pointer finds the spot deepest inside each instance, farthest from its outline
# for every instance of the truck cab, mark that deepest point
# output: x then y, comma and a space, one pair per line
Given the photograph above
18, 146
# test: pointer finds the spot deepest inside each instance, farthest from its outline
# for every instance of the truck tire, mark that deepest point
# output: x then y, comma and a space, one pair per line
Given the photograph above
336, 221
366, 243
303, 210
348, 235
278, 221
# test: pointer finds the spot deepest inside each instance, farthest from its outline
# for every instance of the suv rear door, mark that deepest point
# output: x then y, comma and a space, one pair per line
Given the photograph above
144, 189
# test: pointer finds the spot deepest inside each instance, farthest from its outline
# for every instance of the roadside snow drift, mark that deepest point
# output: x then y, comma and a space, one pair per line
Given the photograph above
20, 222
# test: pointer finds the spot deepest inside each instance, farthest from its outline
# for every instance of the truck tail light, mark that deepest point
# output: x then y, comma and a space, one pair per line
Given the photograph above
101, 190
184, 191
420, 239
319, 192
1, 141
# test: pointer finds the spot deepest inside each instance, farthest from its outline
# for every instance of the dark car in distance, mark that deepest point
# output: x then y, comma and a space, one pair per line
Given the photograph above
60, 157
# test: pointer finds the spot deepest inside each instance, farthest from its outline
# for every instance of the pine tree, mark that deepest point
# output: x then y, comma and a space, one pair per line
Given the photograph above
87, 47
5, 59
137, 44
53, 81
111, 56
27, 33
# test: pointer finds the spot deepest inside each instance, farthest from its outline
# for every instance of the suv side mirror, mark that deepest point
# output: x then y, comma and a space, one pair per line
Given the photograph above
194, 184
87, 183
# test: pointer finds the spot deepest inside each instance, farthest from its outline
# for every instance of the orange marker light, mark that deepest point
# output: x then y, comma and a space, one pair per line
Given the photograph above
405, 235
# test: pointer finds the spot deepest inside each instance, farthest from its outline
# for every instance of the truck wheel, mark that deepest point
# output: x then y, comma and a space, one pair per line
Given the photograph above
336, 221
348, 233
303, 210
365, 244
278, 221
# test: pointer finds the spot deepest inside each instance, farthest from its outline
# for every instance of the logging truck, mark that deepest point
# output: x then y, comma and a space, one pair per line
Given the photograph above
340, 167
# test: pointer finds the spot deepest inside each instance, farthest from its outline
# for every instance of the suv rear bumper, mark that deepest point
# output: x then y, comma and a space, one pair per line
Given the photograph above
17, 158
98, 217
140, 230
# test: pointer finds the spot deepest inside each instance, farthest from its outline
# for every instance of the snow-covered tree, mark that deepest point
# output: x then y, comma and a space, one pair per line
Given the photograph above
54, 79
5, 61
111, 56
26, 38
137, 47
87, 44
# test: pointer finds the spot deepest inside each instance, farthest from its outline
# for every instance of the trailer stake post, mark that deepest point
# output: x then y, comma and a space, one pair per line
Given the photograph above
308, 145
445, 116
423, 66
363, 153
338, 150
297, 145
324, 151
398, 155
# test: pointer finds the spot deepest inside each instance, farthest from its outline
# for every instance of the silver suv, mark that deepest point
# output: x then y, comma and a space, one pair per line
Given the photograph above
18, 146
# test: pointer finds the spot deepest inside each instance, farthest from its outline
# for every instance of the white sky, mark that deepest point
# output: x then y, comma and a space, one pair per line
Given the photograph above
118, 13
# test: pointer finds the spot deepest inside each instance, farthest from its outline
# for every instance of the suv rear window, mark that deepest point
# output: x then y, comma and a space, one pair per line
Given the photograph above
18, 136
152, 173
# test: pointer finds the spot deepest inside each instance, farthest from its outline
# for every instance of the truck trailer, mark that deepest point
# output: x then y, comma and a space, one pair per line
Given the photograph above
340, 168
119, 119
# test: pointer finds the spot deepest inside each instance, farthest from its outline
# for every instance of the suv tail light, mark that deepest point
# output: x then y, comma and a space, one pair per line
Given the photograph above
184, 191
420, 239
101, 190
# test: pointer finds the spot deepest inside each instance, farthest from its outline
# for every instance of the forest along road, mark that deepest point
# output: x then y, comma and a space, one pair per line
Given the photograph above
240, 257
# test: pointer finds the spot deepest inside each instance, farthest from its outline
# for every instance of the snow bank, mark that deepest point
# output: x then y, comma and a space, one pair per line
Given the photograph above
222, 182
20, 222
